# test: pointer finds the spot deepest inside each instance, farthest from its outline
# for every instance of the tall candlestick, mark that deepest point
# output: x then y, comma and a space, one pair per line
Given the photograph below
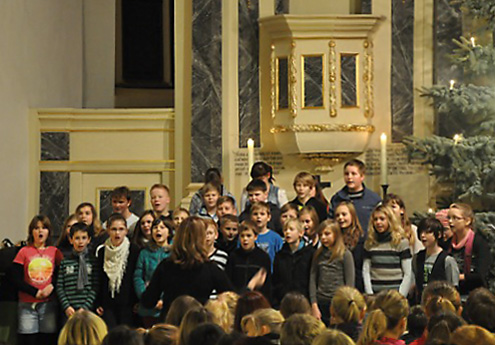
250, 146
383, 159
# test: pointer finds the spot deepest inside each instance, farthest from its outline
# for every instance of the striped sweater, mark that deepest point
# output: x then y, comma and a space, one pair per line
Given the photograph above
385, 266
67, 292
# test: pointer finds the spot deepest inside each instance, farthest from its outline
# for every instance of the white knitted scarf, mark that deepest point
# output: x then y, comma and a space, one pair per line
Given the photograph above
115, 263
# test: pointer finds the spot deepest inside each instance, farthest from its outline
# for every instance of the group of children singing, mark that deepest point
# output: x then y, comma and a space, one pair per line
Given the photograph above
305, 245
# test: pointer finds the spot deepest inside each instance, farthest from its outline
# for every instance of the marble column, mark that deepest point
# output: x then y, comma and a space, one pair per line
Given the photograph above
402, 97
249, 102
206, 124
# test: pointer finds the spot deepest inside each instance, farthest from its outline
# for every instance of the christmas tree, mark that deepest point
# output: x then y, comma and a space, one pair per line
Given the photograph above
462, 160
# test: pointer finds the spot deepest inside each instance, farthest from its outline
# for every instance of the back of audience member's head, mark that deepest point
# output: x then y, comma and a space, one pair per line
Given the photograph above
294, 303
123, 335
480, 308
179, 307
348, 304
205, 334
333, 337
160, 334
444, 290
417, 321
246, 304
82, 328
441, 326
390, 314
471, 335
221, 314
300, 329
231, 298
192, 320
262, 321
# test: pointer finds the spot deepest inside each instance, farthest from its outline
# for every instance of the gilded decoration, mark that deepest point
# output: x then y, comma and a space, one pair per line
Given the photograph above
312, 128
368, 79
293, 81
273, 69
332, 78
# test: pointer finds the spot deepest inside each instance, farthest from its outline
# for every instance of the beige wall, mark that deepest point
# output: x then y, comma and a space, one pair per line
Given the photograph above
41, 66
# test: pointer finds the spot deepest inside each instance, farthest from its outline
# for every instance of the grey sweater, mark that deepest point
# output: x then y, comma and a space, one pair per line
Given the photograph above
327, 276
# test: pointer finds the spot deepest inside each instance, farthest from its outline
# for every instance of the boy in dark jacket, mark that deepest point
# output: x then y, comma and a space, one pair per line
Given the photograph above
247, 260
292, 265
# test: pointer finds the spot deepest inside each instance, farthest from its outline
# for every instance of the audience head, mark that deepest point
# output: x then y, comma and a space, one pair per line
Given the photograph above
86, 213
460, 217
300, 329
191, 320
441, 326
390, 314
83, 328
121, 199
309, 219
123, 335
383, 216
417, 321
205, 334
117, 229
231, 298
430, 225
348, 305
248, 303
160, 198
294, 303
179, 307
64, 234
480, 308
248, 233
178, 216
160, 334
445, 292
162, 232
261, 322
332, 337
210, 192
471, 334
221, 314
346, 216
442, 216
354, 171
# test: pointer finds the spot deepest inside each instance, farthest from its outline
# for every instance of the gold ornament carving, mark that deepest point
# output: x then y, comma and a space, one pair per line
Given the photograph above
293, 81
314, 128
368, 79
332, 78
273, 69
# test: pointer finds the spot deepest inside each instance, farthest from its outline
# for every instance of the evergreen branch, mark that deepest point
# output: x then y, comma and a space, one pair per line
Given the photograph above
480, 9
476, 61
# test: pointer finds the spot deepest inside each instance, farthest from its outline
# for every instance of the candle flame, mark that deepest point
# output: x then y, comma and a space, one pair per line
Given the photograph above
452, 83
473, 41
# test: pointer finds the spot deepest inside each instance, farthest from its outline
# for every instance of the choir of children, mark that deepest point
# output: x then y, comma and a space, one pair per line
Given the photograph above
368, 247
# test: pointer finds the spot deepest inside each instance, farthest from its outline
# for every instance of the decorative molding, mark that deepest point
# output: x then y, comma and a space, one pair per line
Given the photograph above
325, 26
293, 80
368, 79
109, 166
274, 71
332, 78
312, 128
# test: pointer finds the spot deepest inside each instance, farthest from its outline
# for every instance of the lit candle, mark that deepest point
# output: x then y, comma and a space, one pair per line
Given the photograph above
430, 211
250, 146
452, 83
383, 160
457, 138
473, 41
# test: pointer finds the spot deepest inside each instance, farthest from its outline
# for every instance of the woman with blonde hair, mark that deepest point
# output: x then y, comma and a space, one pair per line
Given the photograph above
221, 314
387, 322
471, 334
333, 337
347, 310
83, 328
187, 271
265, 323
160, 334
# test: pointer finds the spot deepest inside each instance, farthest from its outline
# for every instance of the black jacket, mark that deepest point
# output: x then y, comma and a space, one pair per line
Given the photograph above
243, 265
291, 272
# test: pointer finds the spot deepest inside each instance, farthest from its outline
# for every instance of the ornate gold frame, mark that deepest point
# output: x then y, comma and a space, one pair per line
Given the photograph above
322, 128
368, 79
332, 78
293, 80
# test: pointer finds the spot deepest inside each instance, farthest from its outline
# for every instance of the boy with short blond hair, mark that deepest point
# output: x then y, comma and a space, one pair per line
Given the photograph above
226, 205
121, 201
229, 233
363, 199
268, 240
305, 187
258, 192
247, 260
160, 200
210, 192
